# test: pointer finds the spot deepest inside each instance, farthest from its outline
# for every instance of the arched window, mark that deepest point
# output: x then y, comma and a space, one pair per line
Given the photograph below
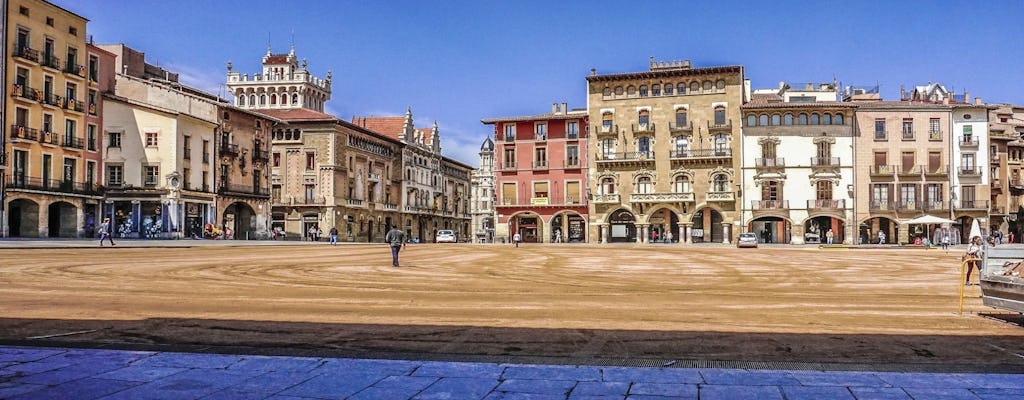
838, 120
787, 119
694, 87
681, 88
252, 99
751, 120
607, 92
298, 134
668, 89
682, 146
776, 119
273, 99
288, 134
630, 90
721, 183
643, 185
263, 99
720, 84
643, 90
655, 90
802, 119
708, 86
618, 91
682, 184
814, 119
826, 119
719, 116
608, 185
241, 100
762, 120
644, 118
681, 120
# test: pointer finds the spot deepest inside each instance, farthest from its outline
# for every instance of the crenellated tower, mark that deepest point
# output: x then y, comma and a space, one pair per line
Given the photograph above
282, 84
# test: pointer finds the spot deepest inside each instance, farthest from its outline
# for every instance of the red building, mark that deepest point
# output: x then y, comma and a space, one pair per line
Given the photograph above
540, 176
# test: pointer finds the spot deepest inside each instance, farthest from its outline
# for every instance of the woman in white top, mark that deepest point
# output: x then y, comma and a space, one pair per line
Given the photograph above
974, 255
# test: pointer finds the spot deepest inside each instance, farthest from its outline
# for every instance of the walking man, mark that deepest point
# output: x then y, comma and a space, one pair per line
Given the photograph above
105, 232
396, 239
516, 238
334, 235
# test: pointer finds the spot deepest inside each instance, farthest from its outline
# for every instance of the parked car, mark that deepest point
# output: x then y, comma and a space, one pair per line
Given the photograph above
747, 240
445, 236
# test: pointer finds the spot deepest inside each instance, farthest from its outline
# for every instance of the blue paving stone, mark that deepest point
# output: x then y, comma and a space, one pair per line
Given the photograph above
523, 396
78, 356
205, 361
922, 380
271, 382
22, 354
11, 389
748, 378
647, 397
192, 384
870, 393
552, 372
416, 383
817, 393
82, 389
1005, 381
678, 390
333, 386
297, 364
366, 367
940, 393
536, 386
655, 375
998, 397
281, 397
1004, 392
601, 389
459, 370
34, 367
458, 388
233, 394
66, 374
378, 393
837, 378
737, 392
140, 374
607, 397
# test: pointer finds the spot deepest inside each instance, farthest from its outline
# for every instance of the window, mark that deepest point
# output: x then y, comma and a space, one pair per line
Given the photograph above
90, 173
933, 126
151, 139
508, 193
644, 118
572, 130
643, 146
206, 178
681, 118
114, 139
934, 161
70, 130
607, 148
655, 90
49, 21
720, 183
908, 161
310, 161
694, 87
908, 195
115, 175
94, 69
815, 119
771, 191
880, 129
751, 120
510, 132
721, 145
92, 102
802, 119
682, 184
540, 189
933, 195
607, 92
967, 197
572, 192
72, 31
762, 120
826, 119
90, 137
682, 144
540, 131
276, 160
967, 163
668, 89
606, 122
643, 90
206, 154
618, 91
607, 185
630, 90
908, 129
776, 119
681, 88
540, 157
708, 86
881, 160
510, 158
23, 10
152, 175
824, 153
643, 185
787, 119
838, 120
823, 190
880, 194
572, 155
719, 115
768, 150
310, 193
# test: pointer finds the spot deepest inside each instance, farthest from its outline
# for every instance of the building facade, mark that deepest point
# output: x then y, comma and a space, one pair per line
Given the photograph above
1006, 127
47, 191
798, 167
666, 148
243, 173
483, 195
541, 176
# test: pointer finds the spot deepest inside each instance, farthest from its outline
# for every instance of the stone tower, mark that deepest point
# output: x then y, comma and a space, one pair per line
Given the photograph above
282, 84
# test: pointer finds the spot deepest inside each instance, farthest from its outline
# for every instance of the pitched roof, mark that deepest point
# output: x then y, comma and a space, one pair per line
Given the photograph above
387, 126
800, 104
298, 114
277, 59
427, 134
574, 114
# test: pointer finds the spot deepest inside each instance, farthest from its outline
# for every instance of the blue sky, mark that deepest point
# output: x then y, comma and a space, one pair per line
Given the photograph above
459, 61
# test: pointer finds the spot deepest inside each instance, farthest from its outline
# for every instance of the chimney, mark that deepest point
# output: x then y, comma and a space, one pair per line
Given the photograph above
977, 101
565, 108
967, 97
809, 87
945, 100
903, 93
554, 108
593, 72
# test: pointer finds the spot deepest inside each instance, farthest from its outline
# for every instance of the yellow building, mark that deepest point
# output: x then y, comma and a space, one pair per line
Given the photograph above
665, 146
50, 184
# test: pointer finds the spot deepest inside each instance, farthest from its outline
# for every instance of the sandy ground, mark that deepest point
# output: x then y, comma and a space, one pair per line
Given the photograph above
591, 301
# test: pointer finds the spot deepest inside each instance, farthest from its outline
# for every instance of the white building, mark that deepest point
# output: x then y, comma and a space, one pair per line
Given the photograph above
482, 200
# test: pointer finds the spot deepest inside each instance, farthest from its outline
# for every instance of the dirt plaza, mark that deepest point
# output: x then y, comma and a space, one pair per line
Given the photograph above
674, 302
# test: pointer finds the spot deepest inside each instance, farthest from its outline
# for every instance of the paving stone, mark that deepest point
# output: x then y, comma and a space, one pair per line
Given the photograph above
33, 367
11, 389
66, 374
415, 383
678, 390
82, 389
748, 378
871, 393
378, 393
739, 392
141, 374
922, 380
338, 385
459, 370
233, 394
1004, 392
272, 382
552, 372
654, 375
607, 397
368, 367
999, 397
523, 396
536, 386
23, 354
648, 397
269, 364
458, 388
1003, 381
940, 393
601, 389
192, 384
183, 360
838, 378
817, 393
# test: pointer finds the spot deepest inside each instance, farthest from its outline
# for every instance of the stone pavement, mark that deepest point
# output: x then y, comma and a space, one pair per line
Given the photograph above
59, 373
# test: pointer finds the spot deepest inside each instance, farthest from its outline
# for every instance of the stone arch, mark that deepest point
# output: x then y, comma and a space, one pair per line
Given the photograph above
567, 226
869, 227
621, 226
529, 225
23, 217
241, 218
62, 219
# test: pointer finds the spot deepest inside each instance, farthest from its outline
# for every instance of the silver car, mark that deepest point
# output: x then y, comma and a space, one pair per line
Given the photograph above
445, 236
747, 240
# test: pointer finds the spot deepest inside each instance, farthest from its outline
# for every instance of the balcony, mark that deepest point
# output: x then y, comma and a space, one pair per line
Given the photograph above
642, 128
700, 154
882, 171
353, 202
603, 131
228, 150
50, 99
573, 135
571, 163
662, 197
825, 162
607, 198
688, 128
74, 69
51, 185
763, 205
629, 156
21, 132
720, 196
72, 105
726, 127
387, 207
73, 142
941, 171
968, 141
92, 109
935, 136
972, 205
826, 204
881, 205
25, 93
27, 53
50, 61
933, 205
46, 137
540, 165
908, 205
968, 171
769, 164
374, 177
228, 188
508, 166
260, 155
910, 172
881, 136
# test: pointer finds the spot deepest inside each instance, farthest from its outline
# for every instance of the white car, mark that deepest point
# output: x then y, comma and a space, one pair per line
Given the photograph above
747, 240
445, 236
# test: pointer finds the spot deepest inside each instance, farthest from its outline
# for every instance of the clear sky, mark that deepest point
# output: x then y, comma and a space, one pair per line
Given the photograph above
457, 62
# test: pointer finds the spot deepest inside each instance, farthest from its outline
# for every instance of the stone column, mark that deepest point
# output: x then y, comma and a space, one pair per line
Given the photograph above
797, 231
604, 233
80, 222
726, 232
687, 227
682, 232
44, 220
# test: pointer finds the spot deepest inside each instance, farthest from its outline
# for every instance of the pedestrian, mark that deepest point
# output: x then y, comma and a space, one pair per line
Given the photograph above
945, 240
105, 232
1010, 236
396, 239
654, 236
881, 237
971, 257
334, 235
516, 238
828, 236
319, 233
668, 236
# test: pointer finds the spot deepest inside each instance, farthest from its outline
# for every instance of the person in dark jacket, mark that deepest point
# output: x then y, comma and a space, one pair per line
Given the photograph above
396, 239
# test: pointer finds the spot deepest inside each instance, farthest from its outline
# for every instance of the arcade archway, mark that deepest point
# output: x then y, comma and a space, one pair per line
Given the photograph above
568, 227
23, 218
870, 229
707, 226
664, 221
241, 218
771, 230
528, 225
63, 220
818, 227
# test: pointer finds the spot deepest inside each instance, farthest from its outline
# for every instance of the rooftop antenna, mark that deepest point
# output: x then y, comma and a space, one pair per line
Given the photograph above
293, 42
268, 43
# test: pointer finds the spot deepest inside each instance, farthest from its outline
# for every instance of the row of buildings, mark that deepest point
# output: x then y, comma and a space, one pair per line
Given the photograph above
94, 131
694, 155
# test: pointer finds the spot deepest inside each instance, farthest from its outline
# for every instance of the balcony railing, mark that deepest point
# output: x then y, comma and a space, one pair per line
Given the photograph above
826, 204
908, 205
700, 153
51, 185
606, 198
642, 128
260, 155
968, 171
661, 197
769, 204
228, 187
941, 170
73, 142
73, 68
50, 61
720, 196
540, 165
46, 137
27, 53
910, 170
972, 205
23, 132
73, 105
51, 99
507, 166
572, 135
673, 128
968, 141
353, 202
824, 161
626, 156
23, 92
931, 205
727, 126
572, 163
230, 150
606, 130
936, 136
881, 205
374, 176
882, 170
769, 162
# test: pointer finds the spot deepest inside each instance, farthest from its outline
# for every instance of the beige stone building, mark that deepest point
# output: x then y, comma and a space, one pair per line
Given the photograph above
243, 172
47, 192
1006, 127
665, 145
